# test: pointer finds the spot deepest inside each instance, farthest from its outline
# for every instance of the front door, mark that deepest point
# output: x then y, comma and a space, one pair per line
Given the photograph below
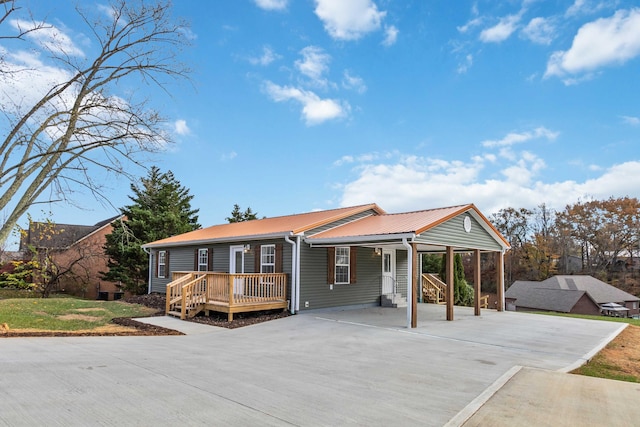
236, 266
388, 271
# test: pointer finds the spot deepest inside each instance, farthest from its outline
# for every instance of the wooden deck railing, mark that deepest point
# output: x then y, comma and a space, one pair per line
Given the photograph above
433, 289
191, 292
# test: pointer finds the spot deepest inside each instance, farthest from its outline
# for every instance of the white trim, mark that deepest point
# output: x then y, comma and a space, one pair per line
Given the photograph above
232, 258
218, 240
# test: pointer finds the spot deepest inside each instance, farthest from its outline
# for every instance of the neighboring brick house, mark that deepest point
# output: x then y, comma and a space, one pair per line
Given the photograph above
80, 249
577, 294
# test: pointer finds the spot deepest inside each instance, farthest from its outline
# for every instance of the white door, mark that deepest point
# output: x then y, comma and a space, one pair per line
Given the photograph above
236, 266
388, 271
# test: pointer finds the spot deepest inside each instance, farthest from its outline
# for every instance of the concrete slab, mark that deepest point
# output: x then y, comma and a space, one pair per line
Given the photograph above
357, 367
187, 328
535, 397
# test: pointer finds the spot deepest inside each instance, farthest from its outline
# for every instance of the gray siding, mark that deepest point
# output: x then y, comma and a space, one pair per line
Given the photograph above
402, 262
182, 259
452, 233
315, 288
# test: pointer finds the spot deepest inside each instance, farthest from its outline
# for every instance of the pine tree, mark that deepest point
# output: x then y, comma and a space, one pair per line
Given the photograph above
462, 291
238, 216
161, 208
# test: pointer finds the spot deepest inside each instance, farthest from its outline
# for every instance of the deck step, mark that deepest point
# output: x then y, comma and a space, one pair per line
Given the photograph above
174, 313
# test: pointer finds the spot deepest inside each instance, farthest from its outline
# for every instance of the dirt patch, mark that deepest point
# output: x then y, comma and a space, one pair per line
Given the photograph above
82, 317
624, 351
89, 309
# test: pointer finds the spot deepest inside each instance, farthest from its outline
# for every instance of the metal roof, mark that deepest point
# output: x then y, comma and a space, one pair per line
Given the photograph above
267, 227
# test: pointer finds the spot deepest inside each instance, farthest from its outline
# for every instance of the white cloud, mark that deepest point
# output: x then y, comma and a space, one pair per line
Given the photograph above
410, 183
390, 35
349, 20
229, 156
475, 22
502, 30
180, 127
48, 37
267, 57
539, 30
314, 63
353, 82
465, 65
272, 4
605, 41
517, 138
315, 110
633, 121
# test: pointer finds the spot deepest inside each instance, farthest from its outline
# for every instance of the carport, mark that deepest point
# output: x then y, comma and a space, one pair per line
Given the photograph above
457, 229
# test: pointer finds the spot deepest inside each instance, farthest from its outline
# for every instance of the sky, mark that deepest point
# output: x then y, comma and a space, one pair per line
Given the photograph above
302, 105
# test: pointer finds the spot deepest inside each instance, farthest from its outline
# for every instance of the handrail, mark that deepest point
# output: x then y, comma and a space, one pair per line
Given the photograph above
433, 288
193, 294
174, 290
194, 289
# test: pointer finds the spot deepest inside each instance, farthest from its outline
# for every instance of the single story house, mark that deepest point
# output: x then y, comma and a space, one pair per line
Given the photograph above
338, 257
579, 294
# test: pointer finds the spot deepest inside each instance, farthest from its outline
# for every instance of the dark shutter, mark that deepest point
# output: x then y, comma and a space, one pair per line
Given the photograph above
210, 259
278, 266
352, 264
257, 253
167, 272
331, 265
155, 272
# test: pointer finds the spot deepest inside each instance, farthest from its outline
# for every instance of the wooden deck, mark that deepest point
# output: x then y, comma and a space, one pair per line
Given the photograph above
191, 292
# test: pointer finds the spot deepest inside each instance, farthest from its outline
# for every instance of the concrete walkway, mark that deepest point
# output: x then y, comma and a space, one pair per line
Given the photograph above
353, 367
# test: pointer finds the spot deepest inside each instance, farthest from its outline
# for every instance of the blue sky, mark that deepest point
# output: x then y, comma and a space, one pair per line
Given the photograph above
299, 105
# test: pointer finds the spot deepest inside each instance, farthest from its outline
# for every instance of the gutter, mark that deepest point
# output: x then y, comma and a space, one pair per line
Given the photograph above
410, 280
277, 235
376, 238
294, 273
148, 252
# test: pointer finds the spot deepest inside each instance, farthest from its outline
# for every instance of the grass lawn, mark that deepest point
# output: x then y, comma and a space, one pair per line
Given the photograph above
64, 314
620, 359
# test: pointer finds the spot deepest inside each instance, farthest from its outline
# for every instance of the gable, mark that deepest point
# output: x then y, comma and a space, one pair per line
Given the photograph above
453, 232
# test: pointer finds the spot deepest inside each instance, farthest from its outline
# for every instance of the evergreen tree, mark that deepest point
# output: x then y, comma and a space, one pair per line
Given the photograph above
161, 208
462, 291
238, 216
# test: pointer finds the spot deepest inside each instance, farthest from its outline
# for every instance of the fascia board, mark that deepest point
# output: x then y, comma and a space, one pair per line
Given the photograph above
358, 239
219, 240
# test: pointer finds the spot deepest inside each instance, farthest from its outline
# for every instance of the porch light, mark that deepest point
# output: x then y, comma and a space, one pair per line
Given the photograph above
247, 248
378, 251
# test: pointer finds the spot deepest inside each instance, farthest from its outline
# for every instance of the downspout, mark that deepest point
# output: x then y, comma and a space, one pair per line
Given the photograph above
292, 305
409, 279
298, 246
148, 252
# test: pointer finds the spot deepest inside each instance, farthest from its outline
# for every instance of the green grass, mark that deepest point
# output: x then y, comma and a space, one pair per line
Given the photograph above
598, 367
64, 314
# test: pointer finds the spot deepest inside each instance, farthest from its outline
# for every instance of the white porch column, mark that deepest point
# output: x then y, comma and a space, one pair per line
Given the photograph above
500, 279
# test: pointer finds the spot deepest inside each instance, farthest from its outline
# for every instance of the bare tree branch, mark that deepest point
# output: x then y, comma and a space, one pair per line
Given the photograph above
78, 125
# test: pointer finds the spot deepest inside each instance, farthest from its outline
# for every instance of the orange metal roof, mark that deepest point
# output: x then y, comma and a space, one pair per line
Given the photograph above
408, 222
268, 226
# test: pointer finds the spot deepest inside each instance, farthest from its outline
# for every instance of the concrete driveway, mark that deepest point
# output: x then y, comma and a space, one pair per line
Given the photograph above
350, 367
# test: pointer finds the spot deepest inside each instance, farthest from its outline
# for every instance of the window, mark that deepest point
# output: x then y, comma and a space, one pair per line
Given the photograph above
203, 259
386, 263
342, 265
268, 259
162, 264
